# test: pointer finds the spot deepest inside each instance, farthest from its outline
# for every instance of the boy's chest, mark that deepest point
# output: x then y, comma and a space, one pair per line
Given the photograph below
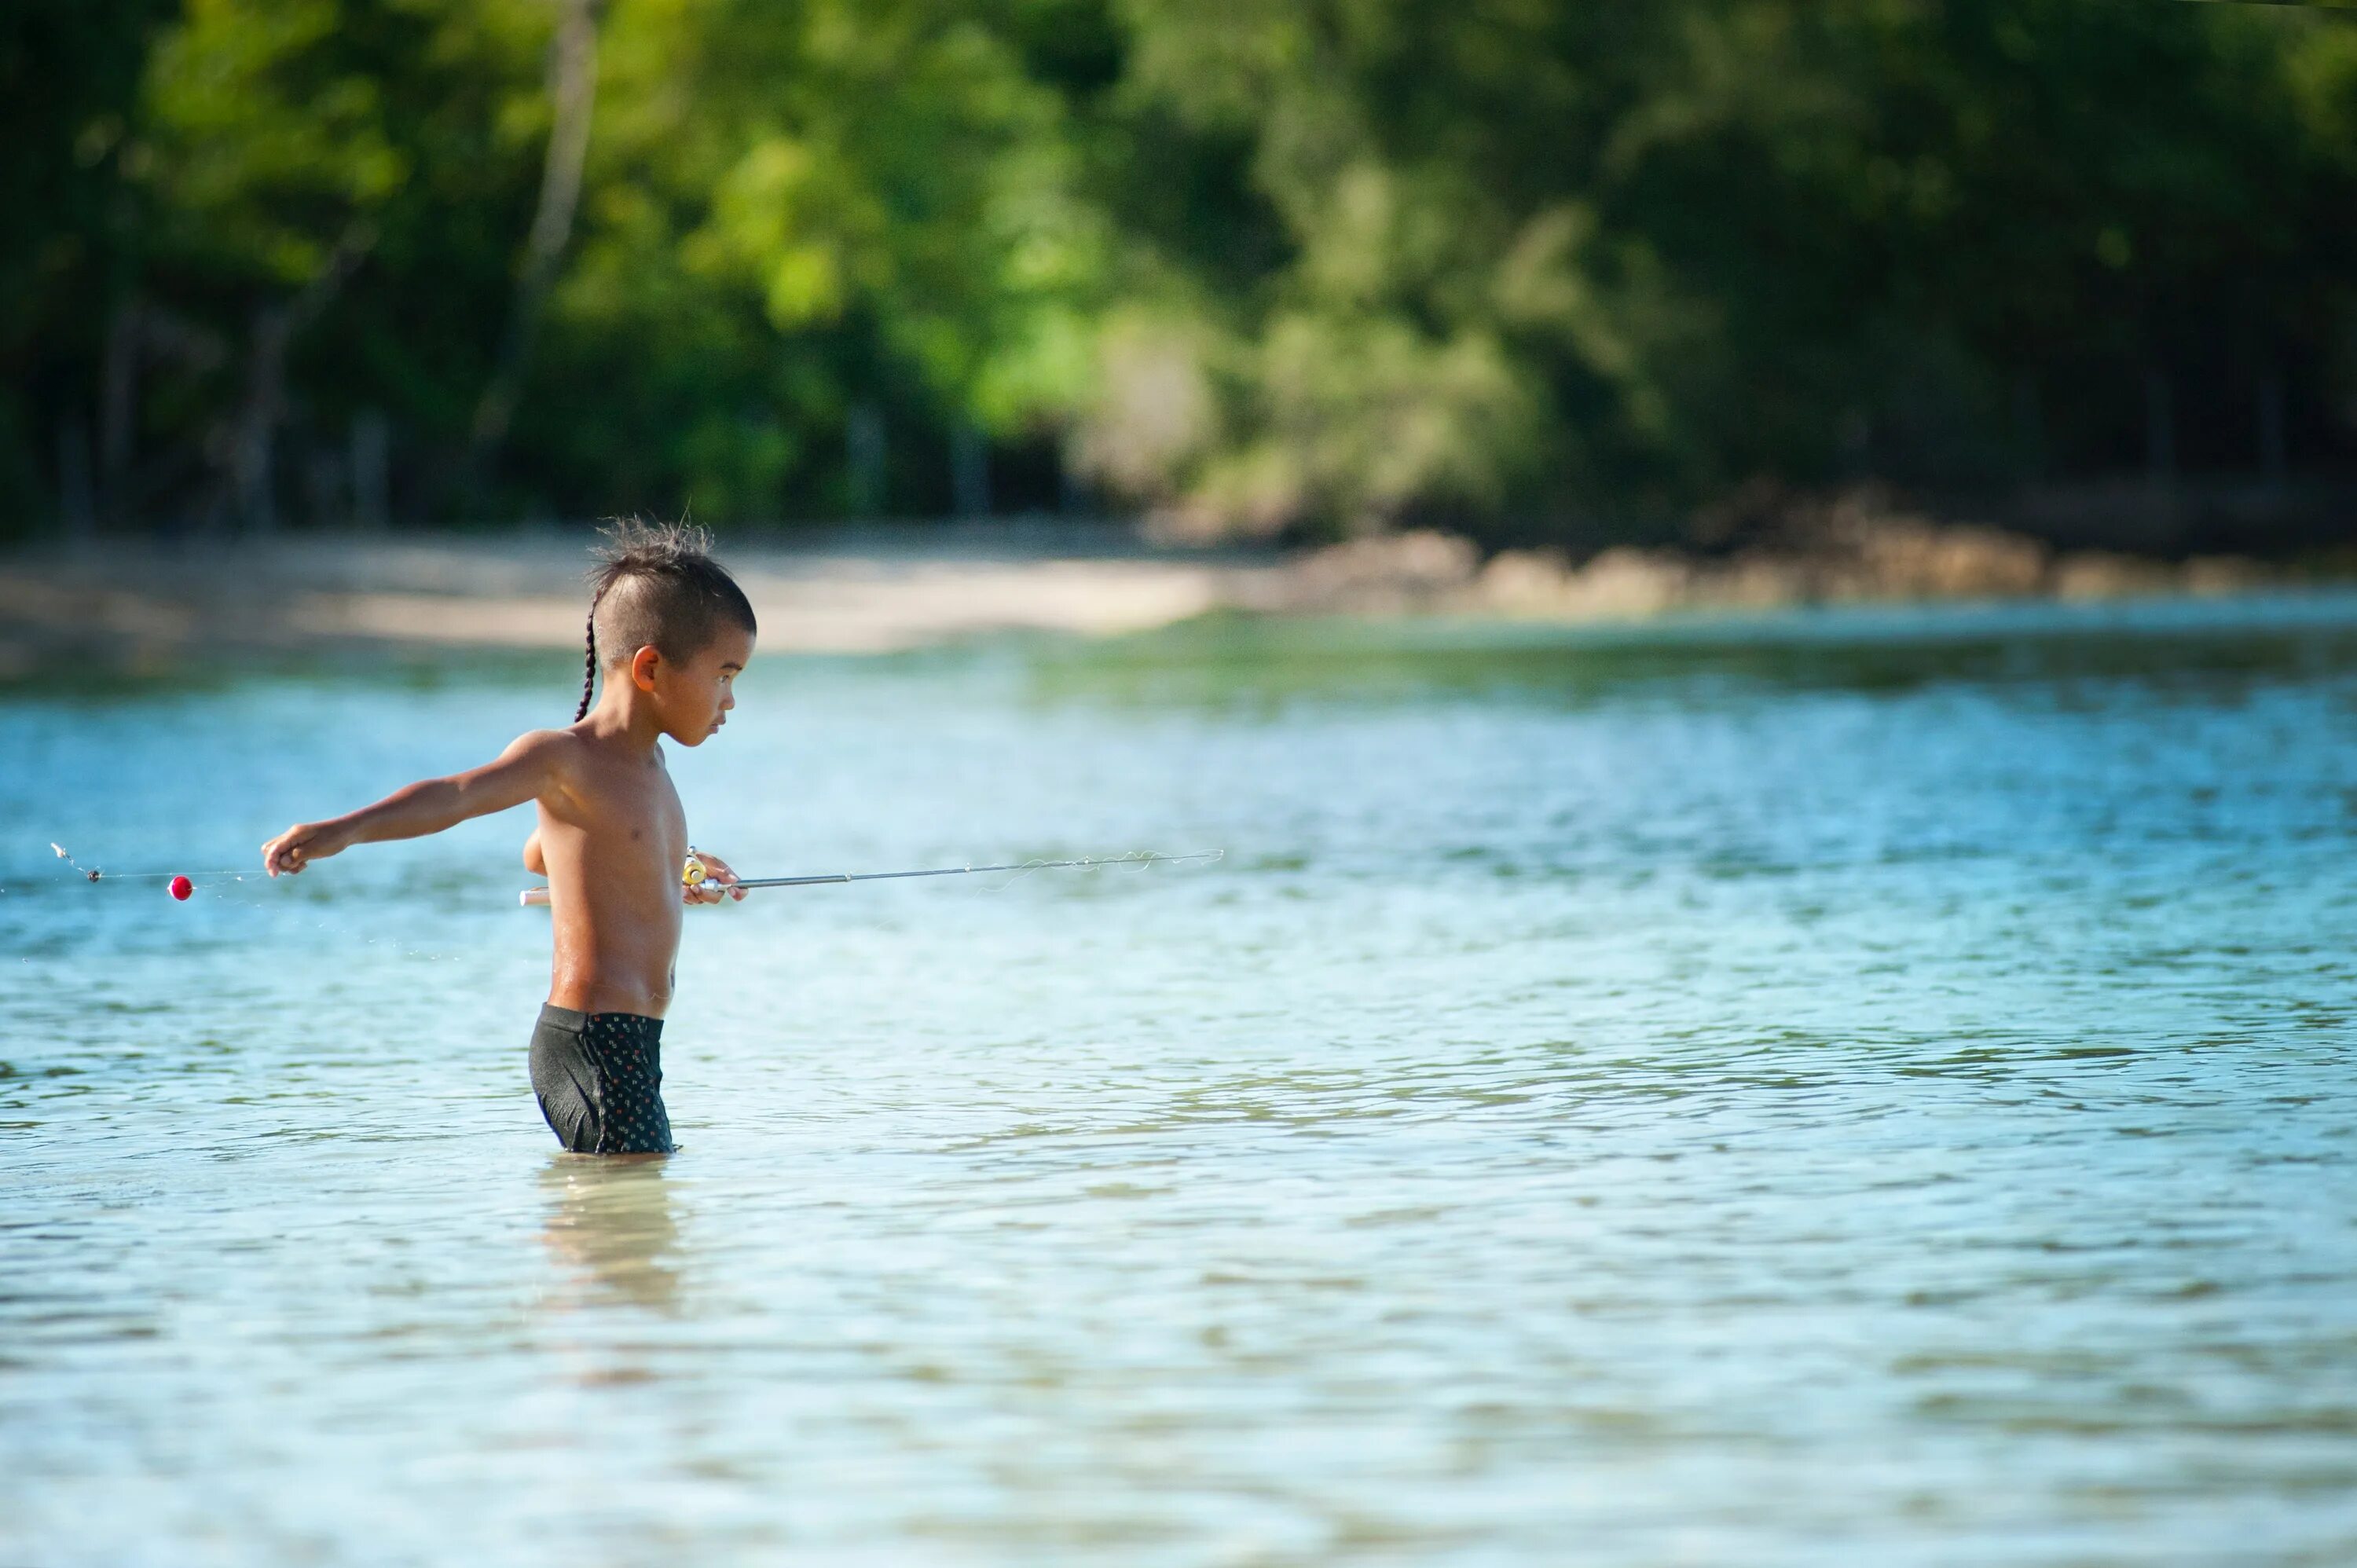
637, 803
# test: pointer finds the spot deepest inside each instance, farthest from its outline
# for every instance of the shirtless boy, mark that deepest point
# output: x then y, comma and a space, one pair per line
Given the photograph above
674, 630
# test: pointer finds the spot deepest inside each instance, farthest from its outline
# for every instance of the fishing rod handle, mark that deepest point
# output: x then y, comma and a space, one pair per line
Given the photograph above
537, 897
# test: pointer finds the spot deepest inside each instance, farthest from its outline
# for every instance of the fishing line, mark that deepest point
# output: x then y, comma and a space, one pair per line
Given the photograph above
208, 882
692, 873
1140, 858
99, 874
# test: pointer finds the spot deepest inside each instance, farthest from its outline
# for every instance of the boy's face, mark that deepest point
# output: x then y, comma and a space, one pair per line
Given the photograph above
693, 698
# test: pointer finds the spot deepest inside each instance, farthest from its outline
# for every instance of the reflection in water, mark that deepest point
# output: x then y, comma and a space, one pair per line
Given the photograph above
611, 1222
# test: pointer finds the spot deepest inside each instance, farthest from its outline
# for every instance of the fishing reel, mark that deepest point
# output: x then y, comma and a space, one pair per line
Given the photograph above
697, 876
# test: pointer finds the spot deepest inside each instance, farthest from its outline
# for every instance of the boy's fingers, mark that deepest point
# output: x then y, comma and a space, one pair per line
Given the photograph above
280, 855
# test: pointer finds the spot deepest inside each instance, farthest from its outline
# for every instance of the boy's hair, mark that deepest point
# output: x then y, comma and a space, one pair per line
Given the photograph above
657, 583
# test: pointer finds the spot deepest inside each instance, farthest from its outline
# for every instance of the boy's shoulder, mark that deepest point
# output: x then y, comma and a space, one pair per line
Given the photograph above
577, 752
553, 751
546, 743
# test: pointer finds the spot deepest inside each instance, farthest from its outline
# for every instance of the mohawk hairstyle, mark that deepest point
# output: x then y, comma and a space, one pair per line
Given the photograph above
657, 585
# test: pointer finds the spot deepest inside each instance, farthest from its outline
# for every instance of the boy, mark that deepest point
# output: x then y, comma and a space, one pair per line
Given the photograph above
611, 839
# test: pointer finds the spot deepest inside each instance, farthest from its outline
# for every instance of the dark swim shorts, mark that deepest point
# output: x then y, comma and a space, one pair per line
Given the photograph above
599, 1080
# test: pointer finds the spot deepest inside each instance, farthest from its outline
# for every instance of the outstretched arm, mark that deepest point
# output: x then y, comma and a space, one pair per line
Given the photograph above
521, 772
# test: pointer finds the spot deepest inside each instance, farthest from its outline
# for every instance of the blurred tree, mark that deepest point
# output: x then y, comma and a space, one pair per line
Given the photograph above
797, 209
68, 77
332, 192
1551, 257
573, 100
1309, 266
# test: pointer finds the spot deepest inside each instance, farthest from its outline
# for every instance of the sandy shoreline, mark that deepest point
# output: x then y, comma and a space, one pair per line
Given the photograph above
137, 604
878, 592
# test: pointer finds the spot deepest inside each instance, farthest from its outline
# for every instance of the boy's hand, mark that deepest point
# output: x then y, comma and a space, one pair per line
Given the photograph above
715, 870
299, 845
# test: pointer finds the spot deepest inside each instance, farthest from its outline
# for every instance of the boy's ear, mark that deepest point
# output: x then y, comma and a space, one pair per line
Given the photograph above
642, 668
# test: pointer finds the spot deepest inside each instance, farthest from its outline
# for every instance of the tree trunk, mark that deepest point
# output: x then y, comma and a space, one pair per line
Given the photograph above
372, 442
74, 502
2159, 432
118, 412
254, 438
252, 454
2274, 449
863, 442
969, 472
572, 91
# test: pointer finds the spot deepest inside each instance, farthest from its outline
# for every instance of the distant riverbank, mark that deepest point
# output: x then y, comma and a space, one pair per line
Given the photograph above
135, 605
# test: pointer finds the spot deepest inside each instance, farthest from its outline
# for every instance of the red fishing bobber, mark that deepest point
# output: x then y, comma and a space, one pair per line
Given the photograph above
180, 887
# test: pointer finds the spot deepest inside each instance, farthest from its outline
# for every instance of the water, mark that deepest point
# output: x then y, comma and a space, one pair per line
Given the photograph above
1867, 1088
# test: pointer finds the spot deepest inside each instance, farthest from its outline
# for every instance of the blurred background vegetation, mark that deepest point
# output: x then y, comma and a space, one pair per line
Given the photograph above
1536, 270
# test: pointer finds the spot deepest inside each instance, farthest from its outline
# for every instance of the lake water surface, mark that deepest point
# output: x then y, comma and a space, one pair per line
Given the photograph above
1862, 1087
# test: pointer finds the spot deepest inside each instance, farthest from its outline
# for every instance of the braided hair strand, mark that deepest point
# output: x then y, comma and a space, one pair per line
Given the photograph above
589, 657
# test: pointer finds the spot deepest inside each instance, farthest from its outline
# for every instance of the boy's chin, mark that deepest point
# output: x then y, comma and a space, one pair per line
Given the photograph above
693, 737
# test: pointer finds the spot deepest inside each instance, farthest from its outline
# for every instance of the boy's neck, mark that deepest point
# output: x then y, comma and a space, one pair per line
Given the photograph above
626, 715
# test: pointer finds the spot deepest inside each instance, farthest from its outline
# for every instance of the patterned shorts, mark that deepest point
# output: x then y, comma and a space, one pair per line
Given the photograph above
599, 1080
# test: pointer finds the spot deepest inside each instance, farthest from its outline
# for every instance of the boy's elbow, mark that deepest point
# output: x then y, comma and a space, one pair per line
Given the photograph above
534, 861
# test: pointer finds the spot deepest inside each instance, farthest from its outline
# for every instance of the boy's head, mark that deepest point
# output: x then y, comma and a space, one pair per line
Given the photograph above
664, 617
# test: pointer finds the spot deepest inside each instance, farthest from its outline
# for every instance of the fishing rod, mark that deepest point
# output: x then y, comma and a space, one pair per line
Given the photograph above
694, 874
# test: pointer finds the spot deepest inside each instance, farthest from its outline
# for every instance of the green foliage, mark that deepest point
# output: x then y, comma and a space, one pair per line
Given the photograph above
1604, 253
794, 209
1256, 264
